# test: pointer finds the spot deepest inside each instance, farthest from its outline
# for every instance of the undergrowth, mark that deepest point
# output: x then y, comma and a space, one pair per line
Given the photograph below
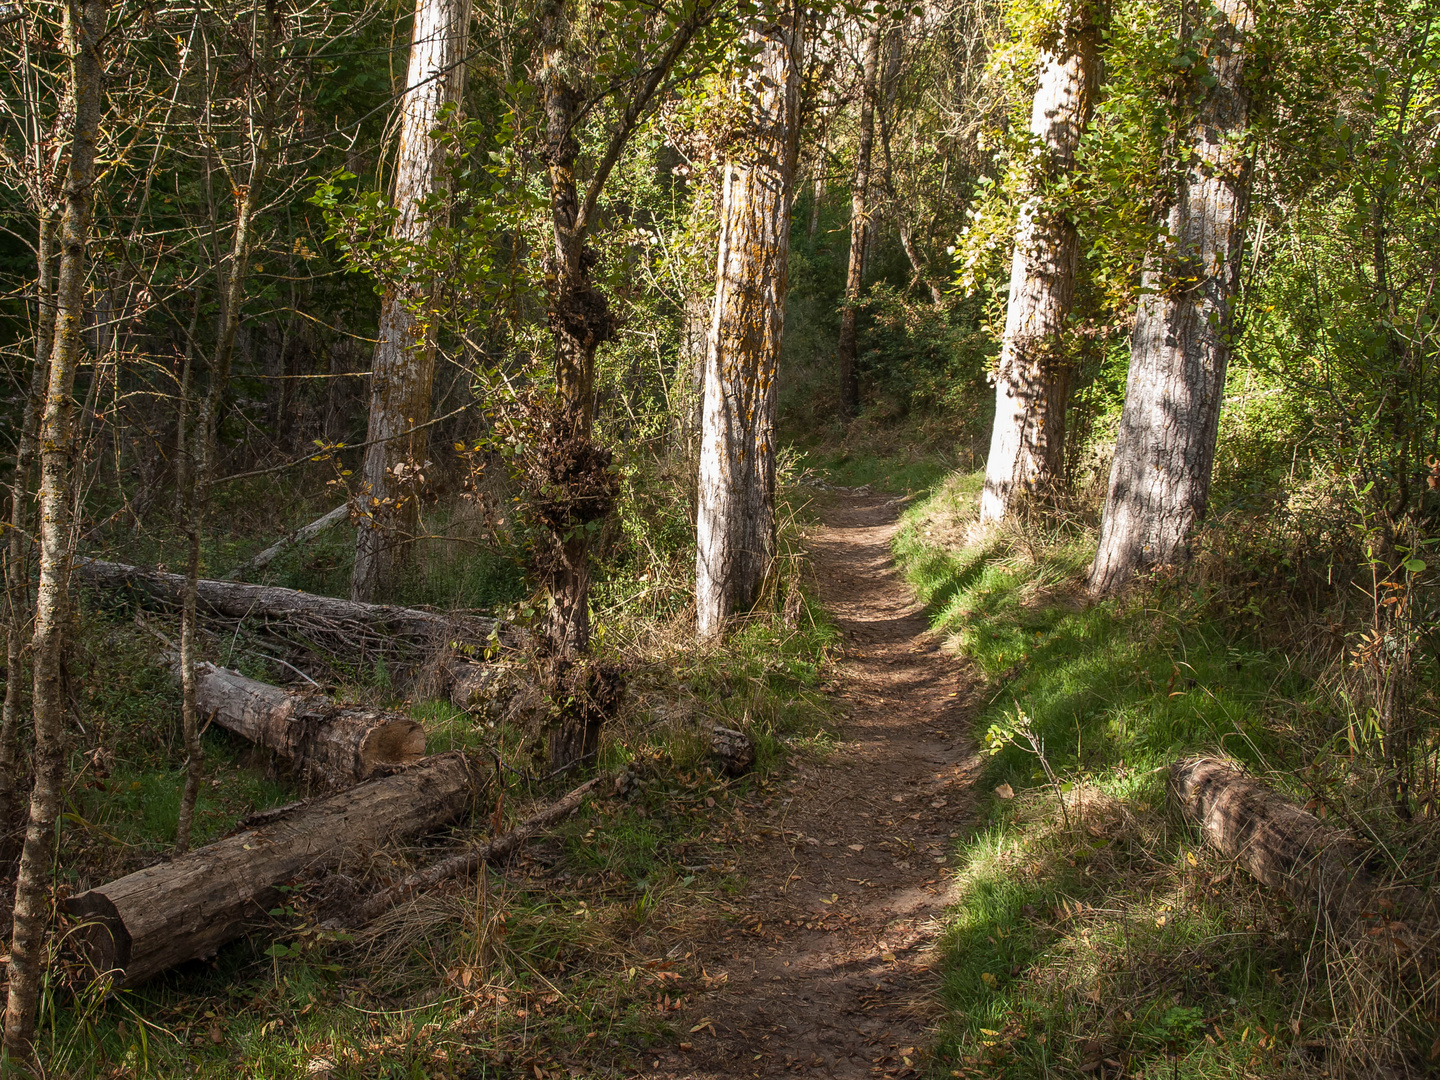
571, 959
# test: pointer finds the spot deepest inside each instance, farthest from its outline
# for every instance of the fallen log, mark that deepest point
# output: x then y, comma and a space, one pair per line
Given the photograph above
302, 535
735, 749
345, 625
338, 743
153, 919
475, 856
1280, 844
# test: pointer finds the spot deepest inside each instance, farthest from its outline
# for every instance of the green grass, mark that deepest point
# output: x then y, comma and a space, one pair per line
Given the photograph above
1089, 927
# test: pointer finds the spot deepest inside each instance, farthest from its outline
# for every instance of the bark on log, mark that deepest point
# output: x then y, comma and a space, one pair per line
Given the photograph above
477, 855
340, 743
308, 612
302, 535
161, 916
1280, 844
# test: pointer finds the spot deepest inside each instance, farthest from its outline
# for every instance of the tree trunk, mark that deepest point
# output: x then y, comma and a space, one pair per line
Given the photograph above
17, 561
306, 613
185, 909
735, 524
85, 27
338, 744
1032, 385
403, 375
859, 229
199, 467
580, 321
1180, 347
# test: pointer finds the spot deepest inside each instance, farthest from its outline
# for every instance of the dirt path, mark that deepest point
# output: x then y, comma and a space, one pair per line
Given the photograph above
831, 972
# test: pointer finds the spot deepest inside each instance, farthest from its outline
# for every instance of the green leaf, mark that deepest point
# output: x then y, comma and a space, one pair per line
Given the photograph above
1415, 566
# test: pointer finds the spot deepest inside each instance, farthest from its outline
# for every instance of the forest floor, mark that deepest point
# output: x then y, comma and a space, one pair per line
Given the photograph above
833, 969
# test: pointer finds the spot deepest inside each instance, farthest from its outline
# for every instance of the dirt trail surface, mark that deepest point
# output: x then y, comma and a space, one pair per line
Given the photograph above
830, 970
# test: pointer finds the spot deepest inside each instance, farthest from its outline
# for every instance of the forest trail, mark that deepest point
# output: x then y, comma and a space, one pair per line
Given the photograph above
831, 970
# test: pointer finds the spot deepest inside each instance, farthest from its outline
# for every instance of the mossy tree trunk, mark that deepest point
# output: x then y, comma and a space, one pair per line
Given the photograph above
17, 554
1032, 384
736, 514
403, 375
1184, 328
84, 31
572, 488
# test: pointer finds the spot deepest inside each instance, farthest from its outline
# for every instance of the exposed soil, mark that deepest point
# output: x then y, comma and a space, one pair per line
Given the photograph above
830, 971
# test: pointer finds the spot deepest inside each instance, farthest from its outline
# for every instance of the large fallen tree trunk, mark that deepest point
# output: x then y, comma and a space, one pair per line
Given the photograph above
337, 743
344, 625
163, 915
1280, 844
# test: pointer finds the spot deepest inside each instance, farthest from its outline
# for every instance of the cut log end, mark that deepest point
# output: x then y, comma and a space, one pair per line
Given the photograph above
99, 937
399, 742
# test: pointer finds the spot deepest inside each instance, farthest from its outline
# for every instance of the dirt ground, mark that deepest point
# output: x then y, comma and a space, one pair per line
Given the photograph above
830, 971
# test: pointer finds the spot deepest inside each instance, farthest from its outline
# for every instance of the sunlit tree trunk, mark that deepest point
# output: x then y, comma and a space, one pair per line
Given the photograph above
859, 229
736, 512
85, 27
1032, 385
1180, 347
17, 562
403, 374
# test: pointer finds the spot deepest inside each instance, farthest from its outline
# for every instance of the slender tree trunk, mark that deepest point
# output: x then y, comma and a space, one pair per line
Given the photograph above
1180, 347
17, 561
403, 374
859, 229
736, 515
201, 451
1032, 385
817, 191
85, 26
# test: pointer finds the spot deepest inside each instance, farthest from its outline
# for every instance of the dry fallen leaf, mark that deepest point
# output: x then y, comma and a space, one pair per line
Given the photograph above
857, 847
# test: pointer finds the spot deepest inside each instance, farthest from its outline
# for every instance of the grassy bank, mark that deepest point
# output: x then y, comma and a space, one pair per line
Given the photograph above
1091, 934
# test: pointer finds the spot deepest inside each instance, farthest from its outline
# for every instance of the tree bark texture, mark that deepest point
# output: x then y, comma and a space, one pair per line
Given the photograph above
403, 374
1032, 384
306, 613
1281, 845
845, 350
185, 909
735, 523
336, 743
1180, 347
85, 27
17, 561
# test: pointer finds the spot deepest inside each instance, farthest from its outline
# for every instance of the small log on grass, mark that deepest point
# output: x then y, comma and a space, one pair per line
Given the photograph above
342, 743
306, 615
1280, 844
153, 919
